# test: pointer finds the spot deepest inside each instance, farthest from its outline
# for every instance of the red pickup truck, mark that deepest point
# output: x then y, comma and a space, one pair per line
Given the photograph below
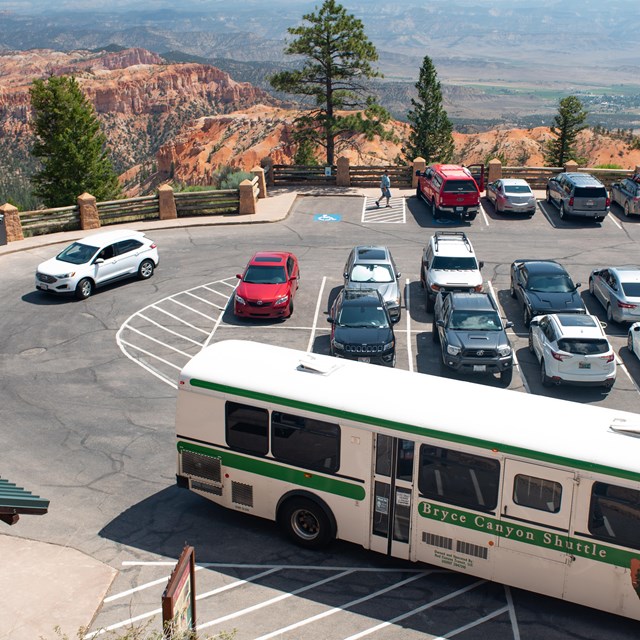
452, 189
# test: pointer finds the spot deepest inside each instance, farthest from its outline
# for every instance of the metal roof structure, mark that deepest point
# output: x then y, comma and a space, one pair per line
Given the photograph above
15, 500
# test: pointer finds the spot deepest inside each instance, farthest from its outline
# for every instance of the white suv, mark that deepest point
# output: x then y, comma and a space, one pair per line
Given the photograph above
449, 263
98, 259
572, 348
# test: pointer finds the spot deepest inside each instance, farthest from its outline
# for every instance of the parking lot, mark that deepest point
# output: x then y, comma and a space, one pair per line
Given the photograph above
89, 408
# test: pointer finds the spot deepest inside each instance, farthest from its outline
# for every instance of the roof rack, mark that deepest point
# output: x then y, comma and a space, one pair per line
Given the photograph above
459, 235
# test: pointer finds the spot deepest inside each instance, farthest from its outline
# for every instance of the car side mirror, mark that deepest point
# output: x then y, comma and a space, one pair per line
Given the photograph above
534, 322
480, 264
603, 324
440, 323
636, 328
345, 275
508, 324
426, 264
98, 261
239, 276
398, 274
578, 285
330, 320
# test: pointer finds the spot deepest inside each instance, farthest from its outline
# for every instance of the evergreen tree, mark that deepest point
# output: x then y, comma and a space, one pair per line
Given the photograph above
430, 136
70, 145
337, 59
566, 125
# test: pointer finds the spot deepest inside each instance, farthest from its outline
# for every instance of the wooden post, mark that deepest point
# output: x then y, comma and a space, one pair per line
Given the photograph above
12, 222
495, 170
166, 203
258, 172
419, 164
343, 178
247, 198
89, 217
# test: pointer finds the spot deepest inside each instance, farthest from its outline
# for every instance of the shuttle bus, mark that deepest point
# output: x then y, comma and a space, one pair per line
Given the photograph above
532, 492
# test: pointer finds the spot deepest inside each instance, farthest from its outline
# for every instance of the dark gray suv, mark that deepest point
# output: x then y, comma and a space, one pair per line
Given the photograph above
472, 335
578, 194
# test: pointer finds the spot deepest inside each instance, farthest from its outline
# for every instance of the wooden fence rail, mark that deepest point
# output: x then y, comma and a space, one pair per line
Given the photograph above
35, 223
205, 203
129, 210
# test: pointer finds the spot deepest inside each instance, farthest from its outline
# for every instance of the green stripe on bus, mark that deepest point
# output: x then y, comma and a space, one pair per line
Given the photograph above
419, 431
269, 469
527, 535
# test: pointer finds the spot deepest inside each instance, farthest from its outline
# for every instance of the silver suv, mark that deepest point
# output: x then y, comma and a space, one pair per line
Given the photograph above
373, 267
578, 194
449, 264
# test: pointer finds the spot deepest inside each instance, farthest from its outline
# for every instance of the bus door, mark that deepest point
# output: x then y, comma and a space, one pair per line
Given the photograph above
392, 496
534, 525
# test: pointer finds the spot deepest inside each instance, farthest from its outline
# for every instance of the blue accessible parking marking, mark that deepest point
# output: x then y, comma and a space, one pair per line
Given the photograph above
327, 217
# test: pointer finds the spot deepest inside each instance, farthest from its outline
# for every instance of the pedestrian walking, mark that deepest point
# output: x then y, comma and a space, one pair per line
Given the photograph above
385, 188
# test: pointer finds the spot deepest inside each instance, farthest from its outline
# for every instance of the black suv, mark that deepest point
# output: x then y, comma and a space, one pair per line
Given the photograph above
472, 334
361, 328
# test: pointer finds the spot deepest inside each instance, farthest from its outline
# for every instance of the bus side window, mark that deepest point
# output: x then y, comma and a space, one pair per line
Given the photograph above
247, 428
614, 514
458, 477
537, 493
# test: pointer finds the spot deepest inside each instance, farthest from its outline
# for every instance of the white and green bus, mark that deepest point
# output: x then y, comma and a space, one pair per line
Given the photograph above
529, 491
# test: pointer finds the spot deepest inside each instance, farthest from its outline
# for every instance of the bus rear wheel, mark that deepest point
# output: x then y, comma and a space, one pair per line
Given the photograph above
306, 523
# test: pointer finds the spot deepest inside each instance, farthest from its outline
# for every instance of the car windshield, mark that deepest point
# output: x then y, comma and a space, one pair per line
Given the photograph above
475, 321
460, 186
263, 274
551, 284
631, 289
362, 316
77, 253
372, 273
516, 188
448, 263
583, 347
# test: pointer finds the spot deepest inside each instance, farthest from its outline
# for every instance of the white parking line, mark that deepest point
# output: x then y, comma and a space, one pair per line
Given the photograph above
613, 219
475, 623
178, 319
316, 314
407, 301
484, 215
204, 315
175, 333
162, 344
211, 304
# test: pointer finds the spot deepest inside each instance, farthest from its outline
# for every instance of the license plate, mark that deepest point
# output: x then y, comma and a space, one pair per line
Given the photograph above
459, 208
584, 365
589, 203
364, 359
479, 367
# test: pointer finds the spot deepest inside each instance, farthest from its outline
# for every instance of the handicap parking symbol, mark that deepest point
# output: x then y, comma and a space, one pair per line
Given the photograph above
327, 217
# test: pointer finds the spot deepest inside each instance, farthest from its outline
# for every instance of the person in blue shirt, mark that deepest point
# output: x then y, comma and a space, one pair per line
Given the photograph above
385, 188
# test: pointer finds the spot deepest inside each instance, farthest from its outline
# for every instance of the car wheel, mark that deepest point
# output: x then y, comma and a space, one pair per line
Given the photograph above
306, 523
290, 308
512, 289
591, 287
562, 212
544, 378
506, 376
526, 316
434, 332
610, 314
627, 210
434, 210
630, 342
393, 362
84, 289
145, 270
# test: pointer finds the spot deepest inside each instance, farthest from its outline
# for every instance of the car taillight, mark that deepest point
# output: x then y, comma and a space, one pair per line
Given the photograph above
559, 356
608, 358
153, 245
571, 201
626, 305
608, 202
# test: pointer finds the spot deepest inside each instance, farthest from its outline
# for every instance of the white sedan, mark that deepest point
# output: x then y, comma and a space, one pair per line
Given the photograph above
511, 195
97, 260
633, 339
572, 349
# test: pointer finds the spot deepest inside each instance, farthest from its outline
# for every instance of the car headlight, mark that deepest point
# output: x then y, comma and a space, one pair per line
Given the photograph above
282, 300
66, 275
389, 345
452, 350
504, 351
240, 300
338, 345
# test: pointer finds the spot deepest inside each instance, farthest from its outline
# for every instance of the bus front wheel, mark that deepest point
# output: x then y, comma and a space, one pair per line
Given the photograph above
306, 523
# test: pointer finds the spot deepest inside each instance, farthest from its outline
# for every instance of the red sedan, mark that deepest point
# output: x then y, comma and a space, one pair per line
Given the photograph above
268, 286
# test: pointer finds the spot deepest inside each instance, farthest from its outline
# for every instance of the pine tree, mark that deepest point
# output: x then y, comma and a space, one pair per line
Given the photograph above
70, 145
566, 125
337, 59
430, 136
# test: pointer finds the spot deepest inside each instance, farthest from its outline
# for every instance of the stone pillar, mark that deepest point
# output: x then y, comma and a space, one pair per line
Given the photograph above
247, 198
258, 172
570, 166
495, 170
343, 178
419, 164
89, 217
267, 165
166, 203
12, 222
637, 171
